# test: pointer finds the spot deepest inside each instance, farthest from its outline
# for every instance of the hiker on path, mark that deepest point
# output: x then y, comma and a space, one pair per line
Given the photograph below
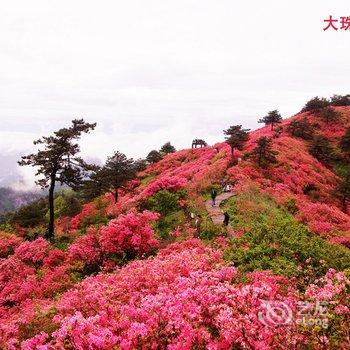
228, 188
226, 218
223, 185
213, 195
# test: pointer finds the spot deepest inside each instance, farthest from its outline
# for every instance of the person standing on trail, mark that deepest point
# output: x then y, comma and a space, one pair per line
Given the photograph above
223, 186
213, 195
226, 218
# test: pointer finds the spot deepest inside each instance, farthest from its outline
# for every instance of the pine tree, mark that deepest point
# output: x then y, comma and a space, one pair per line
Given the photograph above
345, 143
167, 148
301, 128
328, 114
153, 157
140, 164
321, 149
263, 152
272, 118
58, 162
236, 137
94, 185
343, 191
315, 104
117, 171
340, 100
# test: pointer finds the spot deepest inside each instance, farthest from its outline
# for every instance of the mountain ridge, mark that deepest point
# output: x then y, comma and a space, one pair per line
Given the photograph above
153, 271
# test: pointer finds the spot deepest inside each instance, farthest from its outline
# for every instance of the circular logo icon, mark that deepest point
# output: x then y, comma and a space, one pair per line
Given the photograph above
274, 313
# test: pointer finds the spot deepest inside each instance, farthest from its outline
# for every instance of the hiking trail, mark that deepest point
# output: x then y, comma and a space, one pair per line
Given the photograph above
215, 213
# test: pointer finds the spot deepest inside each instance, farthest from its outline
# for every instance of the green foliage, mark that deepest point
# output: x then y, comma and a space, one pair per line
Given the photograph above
322, 149
167, 148
100, 203
208, 230
94, 185
345, 143
328, 114
140, 164
199, 142
343, 190
340, 100
272, 118
165, 202
42, 322
116, 172
275, 241
170, 222
66, 203
97, 219
6, 226
315, 104
291, 206
58, 161
153, 157
236, 137
301, 128
146, 180
31, 215
246, 155
263, 152
35, 232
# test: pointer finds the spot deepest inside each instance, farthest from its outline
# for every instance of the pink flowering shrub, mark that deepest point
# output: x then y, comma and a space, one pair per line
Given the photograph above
332, 292
334, 286
92, 213
323, 219
33, 252
55, 258
128, 236
186, 296
130, 233
86, 248
164, 183
181, 299
8, 244
17, 281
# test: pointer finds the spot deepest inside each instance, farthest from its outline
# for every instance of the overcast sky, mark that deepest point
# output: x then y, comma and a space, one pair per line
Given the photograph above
150, 71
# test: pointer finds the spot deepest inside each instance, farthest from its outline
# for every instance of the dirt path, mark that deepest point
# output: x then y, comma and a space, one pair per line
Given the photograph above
215, 213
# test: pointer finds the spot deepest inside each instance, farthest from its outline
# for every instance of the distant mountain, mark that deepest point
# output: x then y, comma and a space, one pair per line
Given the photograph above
11, 200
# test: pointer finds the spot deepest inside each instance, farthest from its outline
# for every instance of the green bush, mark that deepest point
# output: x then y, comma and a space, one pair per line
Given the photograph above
207, 229
165, 202
169, 223
66, 203
97, 219
31, 215
291, 206
279, 243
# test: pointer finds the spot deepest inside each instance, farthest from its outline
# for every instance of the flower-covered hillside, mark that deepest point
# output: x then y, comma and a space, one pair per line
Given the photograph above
299, 180
185, 297
152, 271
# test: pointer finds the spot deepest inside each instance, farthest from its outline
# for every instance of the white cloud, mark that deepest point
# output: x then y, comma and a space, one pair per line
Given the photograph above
159, 70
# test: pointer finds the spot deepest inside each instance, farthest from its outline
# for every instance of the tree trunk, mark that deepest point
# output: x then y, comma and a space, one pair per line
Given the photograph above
50, 232
271, 126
